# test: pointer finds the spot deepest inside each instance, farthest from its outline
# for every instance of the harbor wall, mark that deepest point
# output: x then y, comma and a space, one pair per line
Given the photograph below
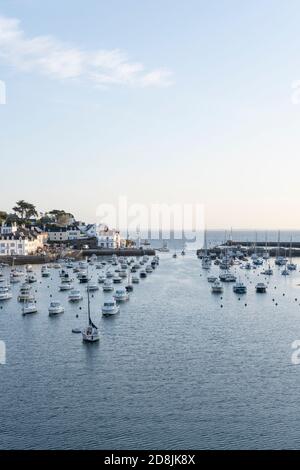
118, 252
29, 259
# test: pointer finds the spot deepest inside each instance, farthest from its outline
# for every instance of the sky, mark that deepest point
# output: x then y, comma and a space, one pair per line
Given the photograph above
161, 101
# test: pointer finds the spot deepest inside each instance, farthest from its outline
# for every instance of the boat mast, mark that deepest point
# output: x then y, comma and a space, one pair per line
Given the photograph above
278, 244
88, 297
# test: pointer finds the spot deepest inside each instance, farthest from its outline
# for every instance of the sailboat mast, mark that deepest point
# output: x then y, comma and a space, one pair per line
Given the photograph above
88, 297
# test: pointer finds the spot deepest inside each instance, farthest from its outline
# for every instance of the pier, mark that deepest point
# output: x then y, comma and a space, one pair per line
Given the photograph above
249, 248
118, 252
29, 259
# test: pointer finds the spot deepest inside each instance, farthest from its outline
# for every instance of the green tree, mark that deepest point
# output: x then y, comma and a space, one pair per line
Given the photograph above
60, 216
3, 216
25, 210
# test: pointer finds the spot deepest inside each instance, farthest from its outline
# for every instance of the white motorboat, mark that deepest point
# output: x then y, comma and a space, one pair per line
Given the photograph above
217, 287
108, 286
29, 268
149, 269
110, 307
55, 308
66, 286
66, 278
268, 271
143, 273
5, 293
135, 279
280, 261
30, 278
109, 274
75, 295
83, 277
121, 295
227, 277
28, 308
285, 272
123, 273
56, 266
239, 288
14, 279
25, 294
92, 287
261, 288
206, 262
45, 271
16, 272
212, 278
101, 278
117, 279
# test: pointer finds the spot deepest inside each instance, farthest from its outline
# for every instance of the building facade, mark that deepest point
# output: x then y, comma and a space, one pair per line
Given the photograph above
63, 234
20, 240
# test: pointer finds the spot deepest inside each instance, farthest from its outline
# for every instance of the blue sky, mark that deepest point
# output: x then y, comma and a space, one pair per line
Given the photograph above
161, 101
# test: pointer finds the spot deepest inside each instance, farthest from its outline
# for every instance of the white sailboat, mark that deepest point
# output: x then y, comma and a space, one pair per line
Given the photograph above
291, 266
206, 260
280, 260
90, 334
266, 254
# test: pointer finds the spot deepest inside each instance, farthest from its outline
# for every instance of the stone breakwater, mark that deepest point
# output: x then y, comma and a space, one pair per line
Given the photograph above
29, 259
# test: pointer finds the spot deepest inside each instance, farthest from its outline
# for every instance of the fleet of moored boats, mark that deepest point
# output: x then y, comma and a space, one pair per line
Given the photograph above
230, 259
111, 272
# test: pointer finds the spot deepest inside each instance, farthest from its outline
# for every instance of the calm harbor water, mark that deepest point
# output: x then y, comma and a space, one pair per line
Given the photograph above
173, 370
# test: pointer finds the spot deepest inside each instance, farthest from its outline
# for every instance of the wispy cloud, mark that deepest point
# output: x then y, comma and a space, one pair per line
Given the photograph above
49, 56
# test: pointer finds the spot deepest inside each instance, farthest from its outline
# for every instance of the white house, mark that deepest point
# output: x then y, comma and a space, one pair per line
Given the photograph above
109, 238
20, 241
106, 238
63, 234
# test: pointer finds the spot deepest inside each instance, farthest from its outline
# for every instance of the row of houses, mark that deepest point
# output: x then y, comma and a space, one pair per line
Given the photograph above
15, 240
106, 238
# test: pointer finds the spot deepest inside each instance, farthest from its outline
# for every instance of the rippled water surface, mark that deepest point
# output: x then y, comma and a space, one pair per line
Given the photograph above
173, 370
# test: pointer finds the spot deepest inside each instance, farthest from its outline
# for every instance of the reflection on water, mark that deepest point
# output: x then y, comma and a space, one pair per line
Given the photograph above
172, 370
